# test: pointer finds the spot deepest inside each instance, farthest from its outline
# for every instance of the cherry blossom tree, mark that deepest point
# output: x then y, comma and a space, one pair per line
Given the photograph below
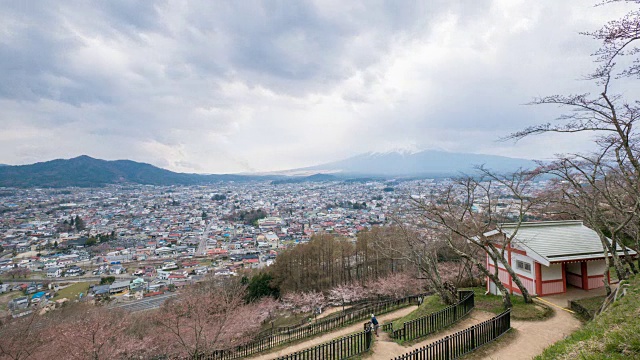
395, 285
23, 338
347, 293
87, 332
265, 309
207, 317
304, 302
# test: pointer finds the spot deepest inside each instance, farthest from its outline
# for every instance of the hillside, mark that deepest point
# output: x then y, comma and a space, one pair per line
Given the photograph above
425, 163
85, 171
613, 335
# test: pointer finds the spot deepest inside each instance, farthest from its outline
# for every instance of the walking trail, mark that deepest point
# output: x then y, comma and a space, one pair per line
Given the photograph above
385, 348
526, 339
332, 335
530, 338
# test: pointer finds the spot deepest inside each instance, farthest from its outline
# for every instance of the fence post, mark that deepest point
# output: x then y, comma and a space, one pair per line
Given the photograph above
473, 337
446, 347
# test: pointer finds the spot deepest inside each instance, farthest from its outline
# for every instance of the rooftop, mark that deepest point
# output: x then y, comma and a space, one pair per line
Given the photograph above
556, 241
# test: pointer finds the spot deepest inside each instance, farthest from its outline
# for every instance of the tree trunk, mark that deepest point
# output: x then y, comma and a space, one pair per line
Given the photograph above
523, 290
607, 286
514, 277
506, 298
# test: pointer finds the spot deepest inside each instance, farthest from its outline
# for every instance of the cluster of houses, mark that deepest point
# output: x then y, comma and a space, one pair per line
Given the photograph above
37, 220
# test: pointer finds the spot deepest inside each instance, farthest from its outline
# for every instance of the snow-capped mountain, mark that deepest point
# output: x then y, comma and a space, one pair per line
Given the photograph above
420, 163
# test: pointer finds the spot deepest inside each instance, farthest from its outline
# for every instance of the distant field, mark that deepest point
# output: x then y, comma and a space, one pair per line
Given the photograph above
7, 297
71, 292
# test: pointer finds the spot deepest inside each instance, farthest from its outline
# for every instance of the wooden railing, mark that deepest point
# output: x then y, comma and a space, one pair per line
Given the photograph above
462, 342
338, 349
434, 322
294, 334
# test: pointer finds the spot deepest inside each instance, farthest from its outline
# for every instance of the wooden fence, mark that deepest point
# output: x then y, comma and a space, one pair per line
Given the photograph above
290, 334
337, 349
434, 322
353, 306
462, 342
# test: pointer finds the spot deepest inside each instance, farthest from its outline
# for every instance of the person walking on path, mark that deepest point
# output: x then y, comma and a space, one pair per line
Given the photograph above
375, 323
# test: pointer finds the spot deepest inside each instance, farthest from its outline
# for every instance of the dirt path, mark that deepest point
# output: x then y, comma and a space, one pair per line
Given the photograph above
525, 341
532, 337
528, 339
332, 335
384, 348
329, 311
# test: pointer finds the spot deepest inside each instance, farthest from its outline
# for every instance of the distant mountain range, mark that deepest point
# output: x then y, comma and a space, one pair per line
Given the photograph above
85, 171
428, 163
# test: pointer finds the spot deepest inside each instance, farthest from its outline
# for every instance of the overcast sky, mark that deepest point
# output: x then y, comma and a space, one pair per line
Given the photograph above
237, 86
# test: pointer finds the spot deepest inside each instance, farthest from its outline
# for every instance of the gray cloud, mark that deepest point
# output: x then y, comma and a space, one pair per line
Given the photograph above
226, 86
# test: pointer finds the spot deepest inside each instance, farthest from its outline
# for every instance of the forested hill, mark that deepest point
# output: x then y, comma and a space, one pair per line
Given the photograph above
85, 171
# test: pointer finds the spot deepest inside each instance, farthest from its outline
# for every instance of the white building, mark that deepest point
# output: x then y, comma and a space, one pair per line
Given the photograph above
549, 256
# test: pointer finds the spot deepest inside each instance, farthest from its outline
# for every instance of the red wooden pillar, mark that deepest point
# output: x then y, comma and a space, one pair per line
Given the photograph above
538, 279
585, 275
564, 277
488, 280
509, 259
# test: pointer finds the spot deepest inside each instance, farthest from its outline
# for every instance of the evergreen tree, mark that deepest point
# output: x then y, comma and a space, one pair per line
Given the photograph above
79, 223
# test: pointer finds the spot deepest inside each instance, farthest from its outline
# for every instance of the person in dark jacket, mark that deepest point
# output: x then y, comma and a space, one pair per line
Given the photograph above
375, 323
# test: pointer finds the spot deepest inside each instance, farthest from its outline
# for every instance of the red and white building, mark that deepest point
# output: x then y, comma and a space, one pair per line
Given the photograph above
550, 256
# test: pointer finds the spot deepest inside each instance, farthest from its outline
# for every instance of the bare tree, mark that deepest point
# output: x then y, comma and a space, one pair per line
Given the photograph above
466, 213
590, 188
419, 247
610, 179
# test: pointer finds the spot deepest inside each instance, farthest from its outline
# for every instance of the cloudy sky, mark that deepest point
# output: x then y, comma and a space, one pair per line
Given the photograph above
236, 86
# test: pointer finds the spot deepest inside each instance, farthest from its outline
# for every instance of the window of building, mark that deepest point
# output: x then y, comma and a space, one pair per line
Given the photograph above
523, 265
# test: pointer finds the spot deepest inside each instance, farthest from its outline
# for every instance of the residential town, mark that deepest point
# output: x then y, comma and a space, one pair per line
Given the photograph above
154, 238
149, 239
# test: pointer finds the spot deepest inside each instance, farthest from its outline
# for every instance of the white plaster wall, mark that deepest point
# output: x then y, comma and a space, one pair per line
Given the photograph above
596, 267
494, 289
524, 258
574, 268
490, 261
552, 272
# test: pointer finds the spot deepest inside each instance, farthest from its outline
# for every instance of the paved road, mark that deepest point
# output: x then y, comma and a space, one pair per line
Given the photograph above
202, 246
68, 279
144, 304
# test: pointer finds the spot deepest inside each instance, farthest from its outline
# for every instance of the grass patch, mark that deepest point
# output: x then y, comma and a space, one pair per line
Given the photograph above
487, 350
289, 320
72, 292
588, 307
7, 297
520, 310
615, 334
430, 305
612, 274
